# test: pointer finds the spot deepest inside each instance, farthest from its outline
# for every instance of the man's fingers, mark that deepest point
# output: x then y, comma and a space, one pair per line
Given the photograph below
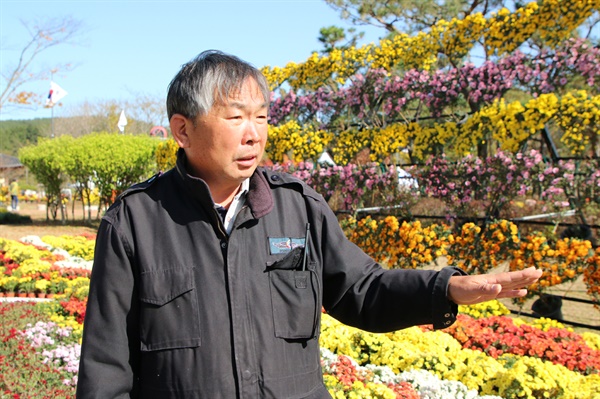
514, 280
492, 289
512, 293
466, 290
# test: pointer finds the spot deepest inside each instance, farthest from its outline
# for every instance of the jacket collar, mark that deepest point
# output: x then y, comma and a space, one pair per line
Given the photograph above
259, 197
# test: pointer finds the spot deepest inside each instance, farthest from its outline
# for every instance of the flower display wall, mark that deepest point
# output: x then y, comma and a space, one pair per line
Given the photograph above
510, 124
502, 33
466, 187
408, 97
412, 245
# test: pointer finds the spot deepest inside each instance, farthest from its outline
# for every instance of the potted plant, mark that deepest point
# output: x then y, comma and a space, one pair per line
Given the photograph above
9, 285
548, 305
2, 289
53, 288
26, 287
41, 287
59, 285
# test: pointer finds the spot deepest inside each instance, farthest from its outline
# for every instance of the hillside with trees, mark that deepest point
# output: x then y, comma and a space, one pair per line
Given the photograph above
15, 134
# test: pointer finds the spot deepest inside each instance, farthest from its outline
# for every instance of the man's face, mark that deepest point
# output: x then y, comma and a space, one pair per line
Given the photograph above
226, 144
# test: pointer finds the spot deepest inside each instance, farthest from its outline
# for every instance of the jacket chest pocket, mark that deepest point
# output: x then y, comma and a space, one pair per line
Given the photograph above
294, 298
168, 310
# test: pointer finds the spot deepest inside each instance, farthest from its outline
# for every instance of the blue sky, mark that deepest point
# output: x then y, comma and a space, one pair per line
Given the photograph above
137, 46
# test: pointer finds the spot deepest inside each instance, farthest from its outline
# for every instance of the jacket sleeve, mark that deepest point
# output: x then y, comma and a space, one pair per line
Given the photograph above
359, 292
110, 347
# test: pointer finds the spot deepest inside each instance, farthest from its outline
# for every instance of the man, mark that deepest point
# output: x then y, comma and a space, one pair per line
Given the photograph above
209, 280
13, 188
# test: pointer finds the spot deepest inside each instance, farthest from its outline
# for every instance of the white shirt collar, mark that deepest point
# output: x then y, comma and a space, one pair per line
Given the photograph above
235, 206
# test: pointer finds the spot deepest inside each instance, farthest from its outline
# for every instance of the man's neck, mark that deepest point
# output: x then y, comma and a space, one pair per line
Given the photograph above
224, 196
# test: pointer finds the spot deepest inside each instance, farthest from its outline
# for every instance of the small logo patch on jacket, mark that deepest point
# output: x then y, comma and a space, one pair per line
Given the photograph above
283, 245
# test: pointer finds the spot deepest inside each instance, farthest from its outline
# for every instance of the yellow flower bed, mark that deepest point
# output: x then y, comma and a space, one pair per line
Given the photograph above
20, 252
508, 376
74, 245
485, 309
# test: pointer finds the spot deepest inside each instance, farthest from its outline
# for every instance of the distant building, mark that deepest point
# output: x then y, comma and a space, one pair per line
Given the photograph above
9, 162
10, 167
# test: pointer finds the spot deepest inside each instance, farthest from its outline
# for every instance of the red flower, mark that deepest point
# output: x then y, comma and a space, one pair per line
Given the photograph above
498, 334
75, 307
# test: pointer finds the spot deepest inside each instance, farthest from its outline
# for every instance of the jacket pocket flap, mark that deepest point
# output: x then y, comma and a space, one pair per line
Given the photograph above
291, 261
161, 286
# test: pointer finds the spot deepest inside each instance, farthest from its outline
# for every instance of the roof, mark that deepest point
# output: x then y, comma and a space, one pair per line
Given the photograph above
9, 162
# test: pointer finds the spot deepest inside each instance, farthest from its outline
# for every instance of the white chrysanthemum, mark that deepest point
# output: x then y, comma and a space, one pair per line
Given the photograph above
35, 240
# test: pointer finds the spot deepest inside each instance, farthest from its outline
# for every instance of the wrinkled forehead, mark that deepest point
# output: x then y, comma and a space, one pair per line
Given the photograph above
234, 93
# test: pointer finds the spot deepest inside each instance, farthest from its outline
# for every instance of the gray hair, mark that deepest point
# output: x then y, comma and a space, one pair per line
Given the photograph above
210, 77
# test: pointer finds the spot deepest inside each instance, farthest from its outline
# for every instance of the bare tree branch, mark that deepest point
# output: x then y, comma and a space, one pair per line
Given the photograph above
43, 37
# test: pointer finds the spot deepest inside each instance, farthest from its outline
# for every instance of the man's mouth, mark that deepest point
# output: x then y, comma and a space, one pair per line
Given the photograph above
247, 160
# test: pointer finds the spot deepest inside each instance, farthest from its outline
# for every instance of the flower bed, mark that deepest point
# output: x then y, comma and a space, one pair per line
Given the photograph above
499, 335
38, 359
507, 375
485, 354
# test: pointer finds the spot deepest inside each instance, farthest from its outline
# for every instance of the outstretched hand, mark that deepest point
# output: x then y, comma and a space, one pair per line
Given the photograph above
468, 290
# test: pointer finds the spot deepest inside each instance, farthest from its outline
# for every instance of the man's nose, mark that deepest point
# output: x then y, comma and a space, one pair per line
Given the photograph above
251, 133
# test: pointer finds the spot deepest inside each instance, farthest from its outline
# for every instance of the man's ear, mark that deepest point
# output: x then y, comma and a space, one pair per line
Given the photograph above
180, 126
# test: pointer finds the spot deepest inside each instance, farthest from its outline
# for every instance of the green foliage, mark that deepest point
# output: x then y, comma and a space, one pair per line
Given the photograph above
335, 37
46, 161
119, 161
15, 134
13, 218
111, 162
77, 166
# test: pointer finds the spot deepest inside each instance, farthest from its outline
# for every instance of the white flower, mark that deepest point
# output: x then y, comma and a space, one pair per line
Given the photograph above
35, 240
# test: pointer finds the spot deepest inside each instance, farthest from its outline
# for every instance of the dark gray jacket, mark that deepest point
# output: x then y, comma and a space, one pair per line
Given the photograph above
178, 309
